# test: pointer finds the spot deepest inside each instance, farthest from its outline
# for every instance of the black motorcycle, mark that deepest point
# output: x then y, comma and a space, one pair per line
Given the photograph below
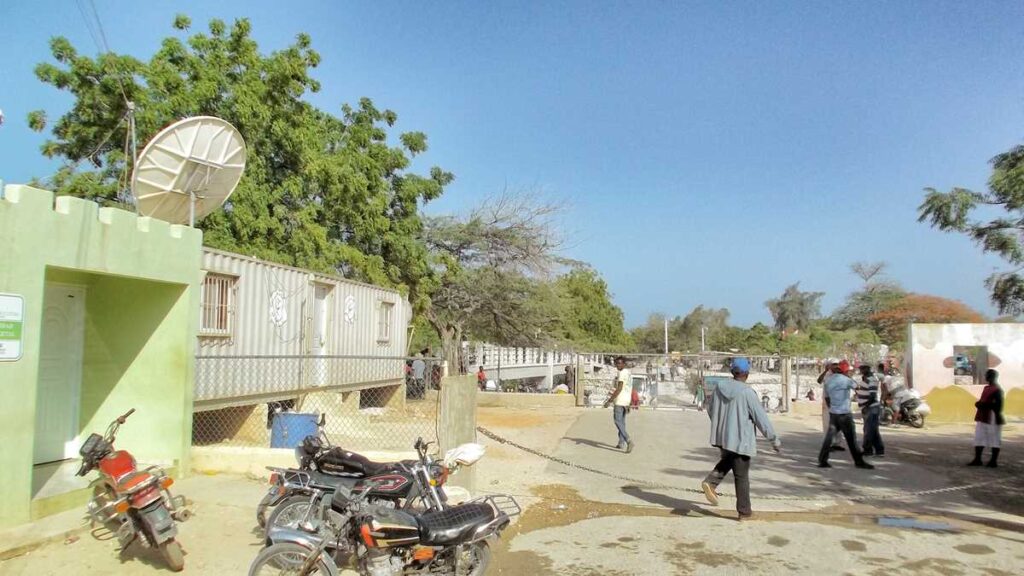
380, 541
407, 484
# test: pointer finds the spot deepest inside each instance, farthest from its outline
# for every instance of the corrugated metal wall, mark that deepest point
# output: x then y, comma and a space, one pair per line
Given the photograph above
255, 333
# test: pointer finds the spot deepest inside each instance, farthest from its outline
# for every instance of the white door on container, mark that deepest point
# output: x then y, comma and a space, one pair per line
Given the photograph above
58, 388
321, 321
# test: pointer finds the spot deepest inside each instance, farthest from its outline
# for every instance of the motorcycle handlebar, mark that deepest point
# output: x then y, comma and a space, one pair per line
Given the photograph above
123, 417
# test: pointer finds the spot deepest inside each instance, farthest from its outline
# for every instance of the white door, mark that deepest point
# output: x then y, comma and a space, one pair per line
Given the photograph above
60, 373
321, 320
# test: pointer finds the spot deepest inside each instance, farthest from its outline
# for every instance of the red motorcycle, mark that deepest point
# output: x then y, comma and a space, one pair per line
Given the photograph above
135, 501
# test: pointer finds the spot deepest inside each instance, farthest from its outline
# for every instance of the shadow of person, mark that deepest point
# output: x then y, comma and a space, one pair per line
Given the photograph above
679, 507
594, 443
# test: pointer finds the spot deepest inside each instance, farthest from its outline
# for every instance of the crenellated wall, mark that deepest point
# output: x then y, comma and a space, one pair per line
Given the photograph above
141, 278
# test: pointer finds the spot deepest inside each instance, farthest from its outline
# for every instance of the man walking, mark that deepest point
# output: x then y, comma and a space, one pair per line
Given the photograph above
735, 413
621, 397
838, 387
419, 370
868, 393
831, 365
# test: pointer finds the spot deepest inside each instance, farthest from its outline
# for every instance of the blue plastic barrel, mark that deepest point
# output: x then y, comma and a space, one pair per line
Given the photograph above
289, 428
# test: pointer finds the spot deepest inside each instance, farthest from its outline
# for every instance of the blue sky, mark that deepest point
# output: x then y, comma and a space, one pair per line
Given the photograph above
710, 153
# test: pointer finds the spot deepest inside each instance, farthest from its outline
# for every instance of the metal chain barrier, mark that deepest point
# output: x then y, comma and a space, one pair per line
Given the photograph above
659, 486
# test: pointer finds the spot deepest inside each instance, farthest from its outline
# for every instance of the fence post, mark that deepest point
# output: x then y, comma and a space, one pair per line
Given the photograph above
577, 390
458, 421
797, 395
786, 369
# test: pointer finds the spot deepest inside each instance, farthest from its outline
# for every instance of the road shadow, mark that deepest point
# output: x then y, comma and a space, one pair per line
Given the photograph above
593, 443
678, 506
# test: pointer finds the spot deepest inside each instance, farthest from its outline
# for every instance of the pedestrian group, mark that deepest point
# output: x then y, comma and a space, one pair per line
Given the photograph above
737, 414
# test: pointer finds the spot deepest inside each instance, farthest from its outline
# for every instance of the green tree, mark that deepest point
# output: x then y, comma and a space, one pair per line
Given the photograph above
319, 191
492, 269
650, 337
964, 211
795, 310
588, 318
685, 332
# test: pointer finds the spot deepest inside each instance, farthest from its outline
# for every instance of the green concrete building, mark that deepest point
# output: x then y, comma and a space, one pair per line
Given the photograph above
98, 314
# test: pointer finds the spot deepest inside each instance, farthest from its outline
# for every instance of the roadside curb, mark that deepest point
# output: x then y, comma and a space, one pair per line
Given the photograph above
16, 542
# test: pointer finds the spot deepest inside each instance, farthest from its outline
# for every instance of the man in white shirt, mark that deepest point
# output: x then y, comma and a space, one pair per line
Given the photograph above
621, 398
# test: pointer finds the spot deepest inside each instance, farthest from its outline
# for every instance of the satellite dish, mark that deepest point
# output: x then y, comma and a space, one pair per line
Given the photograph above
188, 170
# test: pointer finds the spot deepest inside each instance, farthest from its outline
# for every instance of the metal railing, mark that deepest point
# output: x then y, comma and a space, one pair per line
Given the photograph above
673, 380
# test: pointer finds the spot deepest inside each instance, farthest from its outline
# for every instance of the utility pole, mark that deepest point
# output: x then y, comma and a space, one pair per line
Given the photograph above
702, 329
666, 336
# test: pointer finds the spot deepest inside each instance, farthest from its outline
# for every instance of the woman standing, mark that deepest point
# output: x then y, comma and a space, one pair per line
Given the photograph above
988, 421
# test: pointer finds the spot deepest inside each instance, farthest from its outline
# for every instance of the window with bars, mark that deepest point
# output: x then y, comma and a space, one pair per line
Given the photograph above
384, 321
218, 305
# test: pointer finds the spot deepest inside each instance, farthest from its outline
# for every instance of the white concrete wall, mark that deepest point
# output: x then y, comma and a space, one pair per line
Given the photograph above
930, 353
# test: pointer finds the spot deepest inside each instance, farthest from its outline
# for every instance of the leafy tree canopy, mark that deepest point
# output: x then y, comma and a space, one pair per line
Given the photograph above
891, 323
588, 318
795, 309
967, 212
321, 191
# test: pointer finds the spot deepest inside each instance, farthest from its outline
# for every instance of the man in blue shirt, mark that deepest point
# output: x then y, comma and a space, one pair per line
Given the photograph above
838, 387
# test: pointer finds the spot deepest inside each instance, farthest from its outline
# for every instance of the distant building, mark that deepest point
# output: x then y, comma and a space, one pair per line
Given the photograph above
946, 363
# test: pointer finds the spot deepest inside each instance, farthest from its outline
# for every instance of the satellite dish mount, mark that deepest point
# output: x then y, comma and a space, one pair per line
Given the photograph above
189, 170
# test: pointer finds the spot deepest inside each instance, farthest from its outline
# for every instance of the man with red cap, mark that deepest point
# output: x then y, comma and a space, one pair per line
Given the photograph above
837, 392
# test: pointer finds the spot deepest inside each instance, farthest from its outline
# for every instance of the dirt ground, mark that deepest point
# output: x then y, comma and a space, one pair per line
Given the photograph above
580, 523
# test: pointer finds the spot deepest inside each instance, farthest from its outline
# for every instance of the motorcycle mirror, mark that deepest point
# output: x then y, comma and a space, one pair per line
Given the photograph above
323, 420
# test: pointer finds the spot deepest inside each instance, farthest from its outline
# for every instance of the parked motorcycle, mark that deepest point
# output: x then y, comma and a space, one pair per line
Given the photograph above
409, 484
380, 541
322, 464
136, 501
905, 405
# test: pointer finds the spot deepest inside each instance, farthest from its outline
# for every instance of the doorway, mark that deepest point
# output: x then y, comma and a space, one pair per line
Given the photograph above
320, 333
58, 393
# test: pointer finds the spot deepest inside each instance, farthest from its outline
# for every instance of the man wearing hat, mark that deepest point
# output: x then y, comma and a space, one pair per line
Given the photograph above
735, 412
831, 365
838, 388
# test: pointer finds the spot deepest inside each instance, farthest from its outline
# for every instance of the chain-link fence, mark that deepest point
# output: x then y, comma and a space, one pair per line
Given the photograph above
676, 380
367, 403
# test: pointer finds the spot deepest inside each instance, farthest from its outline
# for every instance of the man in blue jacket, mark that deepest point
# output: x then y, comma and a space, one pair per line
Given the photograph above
735, 411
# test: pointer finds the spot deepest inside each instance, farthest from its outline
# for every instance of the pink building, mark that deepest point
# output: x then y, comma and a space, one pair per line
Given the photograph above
946, 363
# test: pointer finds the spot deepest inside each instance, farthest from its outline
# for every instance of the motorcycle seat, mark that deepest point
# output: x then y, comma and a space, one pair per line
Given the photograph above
131, 480
453, 525
341, 462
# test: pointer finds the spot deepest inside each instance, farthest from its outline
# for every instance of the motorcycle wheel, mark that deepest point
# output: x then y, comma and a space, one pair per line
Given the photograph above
261, 511
284, 558
887, 417
289, 513
475, 560
173, 555
916, 420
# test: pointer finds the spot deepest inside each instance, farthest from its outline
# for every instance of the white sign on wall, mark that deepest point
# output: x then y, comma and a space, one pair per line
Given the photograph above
12, 324
350, 309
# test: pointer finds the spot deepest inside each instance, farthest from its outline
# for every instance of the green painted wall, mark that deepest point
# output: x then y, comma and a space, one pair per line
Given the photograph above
142, 279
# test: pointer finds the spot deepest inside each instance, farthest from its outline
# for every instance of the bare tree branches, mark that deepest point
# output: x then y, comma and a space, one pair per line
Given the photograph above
867, 271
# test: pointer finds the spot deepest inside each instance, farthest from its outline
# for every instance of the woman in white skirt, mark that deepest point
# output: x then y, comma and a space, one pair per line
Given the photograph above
988, 421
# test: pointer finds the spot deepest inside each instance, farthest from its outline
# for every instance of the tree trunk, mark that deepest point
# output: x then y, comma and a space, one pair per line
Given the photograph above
451, 340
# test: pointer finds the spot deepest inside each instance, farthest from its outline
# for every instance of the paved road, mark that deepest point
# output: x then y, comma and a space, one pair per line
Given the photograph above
579, 523
599, 525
